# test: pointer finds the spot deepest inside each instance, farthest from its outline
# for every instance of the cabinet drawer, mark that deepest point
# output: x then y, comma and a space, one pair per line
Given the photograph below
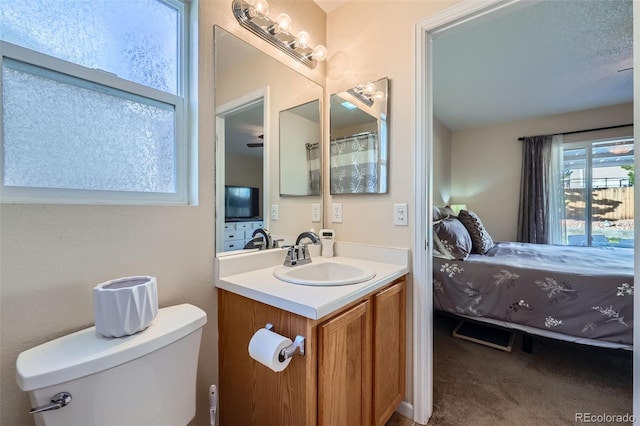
233, 245
229, 226
249, 232
233, 235
243, 226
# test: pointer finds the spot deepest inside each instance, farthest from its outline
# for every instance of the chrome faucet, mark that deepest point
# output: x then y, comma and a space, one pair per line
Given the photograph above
265, 235
310, 235
297, 253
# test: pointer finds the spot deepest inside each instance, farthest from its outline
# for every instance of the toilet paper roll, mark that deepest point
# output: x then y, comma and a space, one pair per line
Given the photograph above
265, 346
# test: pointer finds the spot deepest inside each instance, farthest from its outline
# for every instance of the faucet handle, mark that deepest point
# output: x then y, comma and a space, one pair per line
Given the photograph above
303, 250
292, 256
276, 243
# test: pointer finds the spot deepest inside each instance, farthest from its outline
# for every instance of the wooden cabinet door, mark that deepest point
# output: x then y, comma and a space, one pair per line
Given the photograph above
250, 393
344, 368
389, 328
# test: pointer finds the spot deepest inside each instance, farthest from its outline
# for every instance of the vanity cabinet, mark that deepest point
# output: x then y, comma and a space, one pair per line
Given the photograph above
352, 372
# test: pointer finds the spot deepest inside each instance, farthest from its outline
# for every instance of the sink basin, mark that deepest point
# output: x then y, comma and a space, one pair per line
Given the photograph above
324, 274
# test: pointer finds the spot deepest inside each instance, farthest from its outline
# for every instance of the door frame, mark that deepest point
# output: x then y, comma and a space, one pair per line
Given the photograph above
423, 198
222, 112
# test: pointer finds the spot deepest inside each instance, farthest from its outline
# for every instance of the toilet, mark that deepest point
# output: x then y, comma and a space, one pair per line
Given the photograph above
147, 378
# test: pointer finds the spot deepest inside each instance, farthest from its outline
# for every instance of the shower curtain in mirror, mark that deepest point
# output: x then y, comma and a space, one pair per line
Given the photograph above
313, 165
354, 164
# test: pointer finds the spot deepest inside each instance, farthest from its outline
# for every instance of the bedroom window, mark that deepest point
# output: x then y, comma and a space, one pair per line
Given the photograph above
94, 101
598, 180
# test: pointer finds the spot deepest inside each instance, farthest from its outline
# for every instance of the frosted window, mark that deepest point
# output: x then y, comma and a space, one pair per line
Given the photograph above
63, 132
136, 40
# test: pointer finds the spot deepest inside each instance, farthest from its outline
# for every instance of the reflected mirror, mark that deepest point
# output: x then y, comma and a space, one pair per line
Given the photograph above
359, 139
300, 150
253, 92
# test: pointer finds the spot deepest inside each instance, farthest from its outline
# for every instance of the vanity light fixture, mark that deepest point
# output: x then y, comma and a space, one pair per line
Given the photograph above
254, 16
367, 93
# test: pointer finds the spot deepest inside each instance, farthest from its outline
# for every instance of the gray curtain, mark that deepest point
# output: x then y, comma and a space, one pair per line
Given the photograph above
533, 211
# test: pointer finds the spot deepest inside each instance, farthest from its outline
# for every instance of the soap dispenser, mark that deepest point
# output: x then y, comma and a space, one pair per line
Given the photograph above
327, 237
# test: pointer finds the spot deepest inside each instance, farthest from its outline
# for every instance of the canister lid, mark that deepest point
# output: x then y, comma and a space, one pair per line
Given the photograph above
86, 352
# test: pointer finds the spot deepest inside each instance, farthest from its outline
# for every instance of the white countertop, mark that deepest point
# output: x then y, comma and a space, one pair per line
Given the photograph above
251, 275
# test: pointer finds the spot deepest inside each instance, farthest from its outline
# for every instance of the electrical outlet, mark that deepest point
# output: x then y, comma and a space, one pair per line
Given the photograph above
336, 213
400, 214
274, 212
315, 212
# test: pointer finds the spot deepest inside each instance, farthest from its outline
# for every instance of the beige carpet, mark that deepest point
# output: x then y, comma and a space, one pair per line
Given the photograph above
477, 385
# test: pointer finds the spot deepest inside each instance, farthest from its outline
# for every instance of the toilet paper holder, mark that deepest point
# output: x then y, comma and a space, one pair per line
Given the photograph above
289, 351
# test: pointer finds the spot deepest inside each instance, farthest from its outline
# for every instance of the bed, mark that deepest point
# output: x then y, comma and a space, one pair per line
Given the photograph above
579, 294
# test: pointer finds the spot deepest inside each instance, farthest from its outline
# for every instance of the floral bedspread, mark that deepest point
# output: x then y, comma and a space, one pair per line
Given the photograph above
586, 292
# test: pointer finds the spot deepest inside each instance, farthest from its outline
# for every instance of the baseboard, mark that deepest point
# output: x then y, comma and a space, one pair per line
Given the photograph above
406, 409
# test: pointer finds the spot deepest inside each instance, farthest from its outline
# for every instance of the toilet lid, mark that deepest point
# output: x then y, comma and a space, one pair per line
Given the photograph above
86, 352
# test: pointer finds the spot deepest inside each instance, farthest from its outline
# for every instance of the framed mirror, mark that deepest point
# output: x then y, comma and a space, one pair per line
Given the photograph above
359, 142
253, 92
300, 150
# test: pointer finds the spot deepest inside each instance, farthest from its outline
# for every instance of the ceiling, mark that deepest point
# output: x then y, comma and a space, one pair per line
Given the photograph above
329, 5
533, 59
245, 127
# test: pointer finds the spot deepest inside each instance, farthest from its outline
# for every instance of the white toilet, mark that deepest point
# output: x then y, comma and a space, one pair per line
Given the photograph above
148, 378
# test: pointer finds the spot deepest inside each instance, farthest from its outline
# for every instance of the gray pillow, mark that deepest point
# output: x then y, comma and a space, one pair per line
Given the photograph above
482, 241
451, 238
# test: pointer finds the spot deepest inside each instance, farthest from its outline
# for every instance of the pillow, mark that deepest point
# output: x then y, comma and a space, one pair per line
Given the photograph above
481, 239
451, 238
440, 213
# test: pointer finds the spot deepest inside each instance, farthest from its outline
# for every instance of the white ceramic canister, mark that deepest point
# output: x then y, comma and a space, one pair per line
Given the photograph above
125, 306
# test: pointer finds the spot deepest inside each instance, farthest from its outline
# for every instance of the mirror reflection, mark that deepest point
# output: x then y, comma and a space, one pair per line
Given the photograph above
253, 91
359, 139
300, 149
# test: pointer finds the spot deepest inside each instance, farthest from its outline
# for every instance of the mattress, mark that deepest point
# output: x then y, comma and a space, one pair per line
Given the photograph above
582, 292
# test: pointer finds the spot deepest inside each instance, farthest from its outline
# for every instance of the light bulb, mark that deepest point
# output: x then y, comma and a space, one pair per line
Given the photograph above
378, 96
250, 12
284, 21
262, 6
303, 38
369, 88
320, 53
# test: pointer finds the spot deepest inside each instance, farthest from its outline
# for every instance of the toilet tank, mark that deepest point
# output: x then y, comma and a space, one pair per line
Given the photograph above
145, 379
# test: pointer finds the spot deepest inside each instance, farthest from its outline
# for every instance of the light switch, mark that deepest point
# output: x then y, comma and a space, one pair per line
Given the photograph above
336, 213
315, 212
400, 214
274, 212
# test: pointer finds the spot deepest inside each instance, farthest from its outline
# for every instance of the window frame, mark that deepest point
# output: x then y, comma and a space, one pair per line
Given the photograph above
105, 82
588, 145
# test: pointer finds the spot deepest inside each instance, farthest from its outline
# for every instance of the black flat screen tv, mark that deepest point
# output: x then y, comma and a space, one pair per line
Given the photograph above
241, 202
